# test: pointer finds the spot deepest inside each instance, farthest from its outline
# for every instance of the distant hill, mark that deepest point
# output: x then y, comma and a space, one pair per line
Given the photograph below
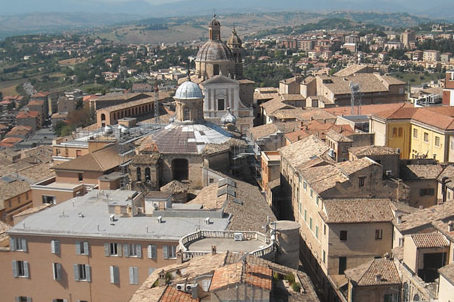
131, 28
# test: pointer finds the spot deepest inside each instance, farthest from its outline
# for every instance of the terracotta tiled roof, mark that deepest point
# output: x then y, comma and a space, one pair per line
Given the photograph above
426, 216
171, 294
374, 150
274, 105
11, 189
232, 274
100, 161
417, 172
367, 109
369, 83
428, 240
376, 272
357, 210
19, 131
27, 114
317, 115
302, 151
352, 69
10, 142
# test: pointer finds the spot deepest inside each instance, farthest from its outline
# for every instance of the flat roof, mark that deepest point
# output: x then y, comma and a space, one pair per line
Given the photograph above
226, 244
88, 217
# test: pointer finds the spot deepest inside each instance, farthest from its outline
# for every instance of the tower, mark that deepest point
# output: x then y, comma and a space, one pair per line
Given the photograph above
215, 29
236, 46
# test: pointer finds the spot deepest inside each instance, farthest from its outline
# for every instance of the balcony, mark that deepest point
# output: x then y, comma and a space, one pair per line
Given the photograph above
201, 243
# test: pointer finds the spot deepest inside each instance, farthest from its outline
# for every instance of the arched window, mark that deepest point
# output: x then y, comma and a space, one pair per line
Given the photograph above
147, 174
103, 117
215, 69
180, 169
139, 174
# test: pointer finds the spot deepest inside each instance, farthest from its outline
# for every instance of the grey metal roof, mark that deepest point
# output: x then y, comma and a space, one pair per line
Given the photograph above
189, 91
214, 50
88, 216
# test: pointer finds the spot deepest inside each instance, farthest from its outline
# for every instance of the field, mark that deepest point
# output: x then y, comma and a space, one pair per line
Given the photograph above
9, 87
415, 78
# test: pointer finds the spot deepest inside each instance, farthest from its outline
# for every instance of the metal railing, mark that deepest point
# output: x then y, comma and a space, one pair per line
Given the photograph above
246, 235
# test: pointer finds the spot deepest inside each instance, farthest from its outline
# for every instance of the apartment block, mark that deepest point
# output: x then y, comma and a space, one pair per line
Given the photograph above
97, 247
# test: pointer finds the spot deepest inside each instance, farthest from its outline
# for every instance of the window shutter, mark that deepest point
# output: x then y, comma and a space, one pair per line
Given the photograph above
114, 274
55, 247
119, 249
76, 272
29, 299
54, 271
78, 247
88, 272
107, 249
165, 251
126, 250
86, 248
56, 267
151, 251
24, 245
12, 244
15, 273
139, 250
26, 270
17, 299
133, 275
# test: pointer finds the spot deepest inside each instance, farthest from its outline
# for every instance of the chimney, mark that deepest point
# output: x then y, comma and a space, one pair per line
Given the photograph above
195, 292
213, 250
162, 278
378, 278
451, 226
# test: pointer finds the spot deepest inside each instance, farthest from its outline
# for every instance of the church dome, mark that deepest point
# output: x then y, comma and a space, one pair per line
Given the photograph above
214, 50
189, 91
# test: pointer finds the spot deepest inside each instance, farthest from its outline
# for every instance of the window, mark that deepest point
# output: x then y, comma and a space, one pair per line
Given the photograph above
394, 132
23, 299
215, 69
48, 199
139, 174
378, 234
415, 133
310, 223
305, 215
426, 137
55, 247
305, 186
152, 251
343, 235
112, 249
312, 193
18, 244
361, 181
342, 264
426, 192
316, 231
78, 153
221, 104
437, 141
401, 241
169, 251
114, 274
391, 298
400, 132
59, 300
133, 275
147, 174
56, 271
21, 269
324, 256
82, 272
324, 229
132, 250
81, 176
82, 248
316, 200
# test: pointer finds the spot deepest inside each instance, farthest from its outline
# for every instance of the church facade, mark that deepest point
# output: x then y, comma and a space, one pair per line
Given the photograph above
219, 72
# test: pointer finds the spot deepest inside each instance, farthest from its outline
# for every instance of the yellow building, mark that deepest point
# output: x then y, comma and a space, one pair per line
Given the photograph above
417, 132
